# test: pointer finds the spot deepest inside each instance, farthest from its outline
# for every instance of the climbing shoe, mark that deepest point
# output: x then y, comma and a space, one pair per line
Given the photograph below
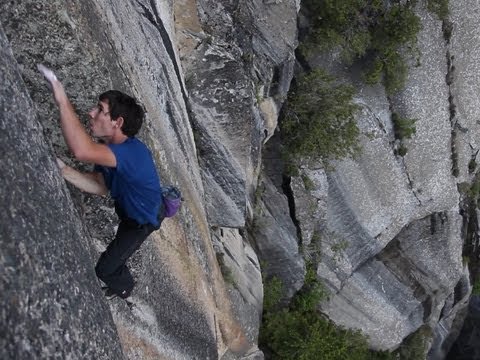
109, 293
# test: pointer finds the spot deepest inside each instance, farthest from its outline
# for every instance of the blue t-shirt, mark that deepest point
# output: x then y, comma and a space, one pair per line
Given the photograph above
134, 184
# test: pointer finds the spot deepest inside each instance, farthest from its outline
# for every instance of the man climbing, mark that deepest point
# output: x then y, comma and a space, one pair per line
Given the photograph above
123, 166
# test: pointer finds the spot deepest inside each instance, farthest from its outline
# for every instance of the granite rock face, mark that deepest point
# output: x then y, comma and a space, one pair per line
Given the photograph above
276, 238
242, 60
183, 308
467, 344
213, 77
388, 227
464, 84
52, 306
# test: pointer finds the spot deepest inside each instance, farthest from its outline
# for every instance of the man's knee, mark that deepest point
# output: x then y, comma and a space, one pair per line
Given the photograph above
101, 269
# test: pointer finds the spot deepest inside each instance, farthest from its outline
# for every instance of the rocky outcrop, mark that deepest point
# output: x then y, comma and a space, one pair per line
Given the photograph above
404, 286
387, 226
212, 77
276, 238
467, 346
463, 56
240, 57
202, 69
182, 307
52, 306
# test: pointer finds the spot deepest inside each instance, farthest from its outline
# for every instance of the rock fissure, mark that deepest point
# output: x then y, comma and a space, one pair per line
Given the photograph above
397, 144
376, 117
119, 64
410, 183
449, 79
155, 19
288, 191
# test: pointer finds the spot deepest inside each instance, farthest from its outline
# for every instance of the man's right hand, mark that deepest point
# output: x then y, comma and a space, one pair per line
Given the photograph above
54, 84
60, 164
47, 73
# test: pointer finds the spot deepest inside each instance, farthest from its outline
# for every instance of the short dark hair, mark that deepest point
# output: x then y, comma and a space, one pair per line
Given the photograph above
125, 106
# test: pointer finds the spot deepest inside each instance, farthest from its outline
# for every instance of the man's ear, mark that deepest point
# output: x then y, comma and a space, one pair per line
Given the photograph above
118, 122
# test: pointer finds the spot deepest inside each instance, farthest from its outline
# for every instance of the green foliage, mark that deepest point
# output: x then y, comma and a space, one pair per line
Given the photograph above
395, 72
438, 7
404, 128
414, 347
447, 28
308, 183
312, 252
341, 23
291, 168
402, 150
227, 273
476, 287
397, 28
472, 165
272, 294
299, 332
471, 191
340, 246
475, 189
319, 119
366, 29
374, 74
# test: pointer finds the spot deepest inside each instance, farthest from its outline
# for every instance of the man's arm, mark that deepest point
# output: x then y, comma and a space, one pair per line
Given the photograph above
76, 137
92, 183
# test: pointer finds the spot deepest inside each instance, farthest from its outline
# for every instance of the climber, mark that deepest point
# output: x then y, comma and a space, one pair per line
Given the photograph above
123, 165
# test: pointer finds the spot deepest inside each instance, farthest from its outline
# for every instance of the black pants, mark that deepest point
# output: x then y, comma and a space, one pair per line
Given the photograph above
111, 268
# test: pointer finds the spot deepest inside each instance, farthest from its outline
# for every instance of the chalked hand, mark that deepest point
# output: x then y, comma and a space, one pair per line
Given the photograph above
53, 83
47, 73
60, 164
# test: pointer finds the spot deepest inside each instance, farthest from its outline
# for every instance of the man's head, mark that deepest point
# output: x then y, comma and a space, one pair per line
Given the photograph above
125, 107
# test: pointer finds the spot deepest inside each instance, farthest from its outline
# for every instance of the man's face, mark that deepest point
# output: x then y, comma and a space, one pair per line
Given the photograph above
101, 124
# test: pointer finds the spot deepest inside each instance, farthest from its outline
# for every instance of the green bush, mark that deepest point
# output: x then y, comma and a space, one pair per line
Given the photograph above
475, 189
476, 287
472, 165
404, 128
308, 183
299, 332
397, 26
366, 29
272, 294
341, 23
438, 7
396, 29
227, 273
402, 150
319, 122
414, 347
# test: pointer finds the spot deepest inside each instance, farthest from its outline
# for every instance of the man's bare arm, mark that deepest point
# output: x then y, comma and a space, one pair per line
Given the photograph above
92, 183
78, 141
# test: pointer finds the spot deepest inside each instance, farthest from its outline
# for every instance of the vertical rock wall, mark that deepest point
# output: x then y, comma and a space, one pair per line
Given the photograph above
387, 226
205, 129
52, 306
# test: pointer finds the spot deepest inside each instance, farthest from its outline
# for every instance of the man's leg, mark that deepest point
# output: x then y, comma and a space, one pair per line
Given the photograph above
111, 268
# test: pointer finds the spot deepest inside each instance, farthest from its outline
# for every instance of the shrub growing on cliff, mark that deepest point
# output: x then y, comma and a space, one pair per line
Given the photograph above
299, 332
414, 347
404, 128
340, 23
397, 28
318, 121
366, 29
438, 7
476, 287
